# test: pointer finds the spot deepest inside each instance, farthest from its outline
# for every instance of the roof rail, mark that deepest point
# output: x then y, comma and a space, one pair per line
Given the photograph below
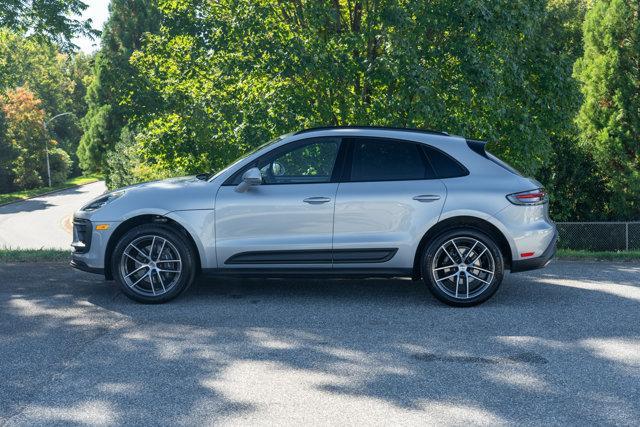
432, 132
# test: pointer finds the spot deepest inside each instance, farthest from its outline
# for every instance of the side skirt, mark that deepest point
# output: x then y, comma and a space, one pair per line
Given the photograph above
308, 272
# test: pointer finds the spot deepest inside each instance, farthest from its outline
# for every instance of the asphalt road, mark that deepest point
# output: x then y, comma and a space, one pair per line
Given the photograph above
556, 346
44, 222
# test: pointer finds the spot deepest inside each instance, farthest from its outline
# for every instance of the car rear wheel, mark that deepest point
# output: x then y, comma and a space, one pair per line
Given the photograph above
153, 264
463, 267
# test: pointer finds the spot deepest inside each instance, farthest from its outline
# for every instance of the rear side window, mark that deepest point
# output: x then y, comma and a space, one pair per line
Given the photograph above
388, 160
444, 165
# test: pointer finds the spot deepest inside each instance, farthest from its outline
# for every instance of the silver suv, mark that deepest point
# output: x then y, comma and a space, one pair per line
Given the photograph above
327, 202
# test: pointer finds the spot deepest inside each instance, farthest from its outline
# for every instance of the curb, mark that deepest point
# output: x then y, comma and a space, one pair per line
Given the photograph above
47, 193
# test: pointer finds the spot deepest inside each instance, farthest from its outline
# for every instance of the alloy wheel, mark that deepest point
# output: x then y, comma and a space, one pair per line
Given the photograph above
151, 265
463, 268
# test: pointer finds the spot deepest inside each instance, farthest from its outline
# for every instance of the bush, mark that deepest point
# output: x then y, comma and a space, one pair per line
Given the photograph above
61, 165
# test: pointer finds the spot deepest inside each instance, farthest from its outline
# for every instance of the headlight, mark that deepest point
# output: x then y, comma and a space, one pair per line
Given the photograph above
102, 200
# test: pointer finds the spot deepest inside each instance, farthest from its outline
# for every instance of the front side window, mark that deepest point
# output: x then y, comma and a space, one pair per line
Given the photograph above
312, 162
388, 160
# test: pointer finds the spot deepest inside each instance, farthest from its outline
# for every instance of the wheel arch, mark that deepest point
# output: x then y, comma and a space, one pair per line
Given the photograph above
466, 221
135, 221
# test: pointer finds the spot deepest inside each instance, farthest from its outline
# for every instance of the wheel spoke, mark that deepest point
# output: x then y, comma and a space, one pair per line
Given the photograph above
448, 254
133, 258
169, 271
448, 277
466, 279
136, 270
161, 249
168, 260
138, 281
457, 250
481, 253
153, 242
469, 251
473, 267
153, 288
161, 281
445, 267
139, 251
457, 282
477, 278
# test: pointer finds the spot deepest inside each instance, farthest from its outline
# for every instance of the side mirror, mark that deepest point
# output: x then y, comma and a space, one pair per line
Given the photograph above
250, 178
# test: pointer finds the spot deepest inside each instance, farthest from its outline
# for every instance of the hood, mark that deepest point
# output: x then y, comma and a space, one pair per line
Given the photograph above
179, 182
158, 198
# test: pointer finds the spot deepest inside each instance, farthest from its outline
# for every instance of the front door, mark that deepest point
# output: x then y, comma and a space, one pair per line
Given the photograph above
287, 221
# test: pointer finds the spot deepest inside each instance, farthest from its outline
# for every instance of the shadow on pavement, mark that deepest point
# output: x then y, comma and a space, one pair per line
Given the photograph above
558, 346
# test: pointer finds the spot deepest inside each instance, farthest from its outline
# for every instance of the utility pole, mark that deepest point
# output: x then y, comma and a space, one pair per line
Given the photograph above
46, 142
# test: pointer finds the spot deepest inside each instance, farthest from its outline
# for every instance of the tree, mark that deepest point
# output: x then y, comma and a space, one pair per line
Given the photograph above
115, 81
47, 19
58, 79
231, 74
609, 119
8, 154
26, 135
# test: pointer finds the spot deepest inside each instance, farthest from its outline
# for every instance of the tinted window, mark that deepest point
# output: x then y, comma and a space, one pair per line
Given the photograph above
309, 163
388, 160
444, 166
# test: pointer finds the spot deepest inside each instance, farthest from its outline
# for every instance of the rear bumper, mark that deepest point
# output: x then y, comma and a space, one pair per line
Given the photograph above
537, 262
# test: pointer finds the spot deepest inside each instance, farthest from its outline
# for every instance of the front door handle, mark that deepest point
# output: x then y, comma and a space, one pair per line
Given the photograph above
316, 200
426, 198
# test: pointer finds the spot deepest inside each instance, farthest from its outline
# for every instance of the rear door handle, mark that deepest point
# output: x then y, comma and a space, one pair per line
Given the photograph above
316, 200
426, 198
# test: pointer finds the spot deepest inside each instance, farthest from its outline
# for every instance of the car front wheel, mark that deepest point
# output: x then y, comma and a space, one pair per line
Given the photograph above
153, 264
463, 267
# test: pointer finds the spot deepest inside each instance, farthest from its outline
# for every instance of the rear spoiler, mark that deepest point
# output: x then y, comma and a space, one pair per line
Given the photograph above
477, 146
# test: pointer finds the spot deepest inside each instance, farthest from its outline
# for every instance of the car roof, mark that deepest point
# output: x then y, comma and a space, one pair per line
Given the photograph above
396, 129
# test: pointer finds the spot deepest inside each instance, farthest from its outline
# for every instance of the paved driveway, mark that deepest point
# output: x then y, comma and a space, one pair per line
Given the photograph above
557, 346
44, 222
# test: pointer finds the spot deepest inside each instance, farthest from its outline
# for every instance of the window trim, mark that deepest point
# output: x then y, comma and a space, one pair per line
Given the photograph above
352, 140
338, 163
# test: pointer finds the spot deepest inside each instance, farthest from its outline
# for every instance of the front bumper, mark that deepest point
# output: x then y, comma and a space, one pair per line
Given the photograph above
537, 262
82, 266
90, 245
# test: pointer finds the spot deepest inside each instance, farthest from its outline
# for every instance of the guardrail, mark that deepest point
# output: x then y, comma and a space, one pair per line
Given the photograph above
599, 236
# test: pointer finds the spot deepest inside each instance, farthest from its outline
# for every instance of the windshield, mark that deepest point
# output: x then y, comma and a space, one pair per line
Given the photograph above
244, 156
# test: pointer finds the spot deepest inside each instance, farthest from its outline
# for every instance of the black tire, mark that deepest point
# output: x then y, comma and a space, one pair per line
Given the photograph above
484, 284
175, 244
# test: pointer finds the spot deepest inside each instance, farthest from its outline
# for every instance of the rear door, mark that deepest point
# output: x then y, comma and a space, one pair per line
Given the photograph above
388, 198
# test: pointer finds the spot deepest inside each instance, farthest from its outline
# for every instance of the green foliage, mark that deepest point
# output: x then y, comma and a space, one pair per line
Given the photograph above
60, 164
577, 189
231, 74
58, 80
46, 19
609, 119
115, 86
8, 154
25, 133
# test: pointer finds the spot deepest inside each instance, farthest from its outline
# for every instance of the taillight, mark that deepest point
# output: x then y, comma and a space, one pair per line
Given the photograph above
529, 198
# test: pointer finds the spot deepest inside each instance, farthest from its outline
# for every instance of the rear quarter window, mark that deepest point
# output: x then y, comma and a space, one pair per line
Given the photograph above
444, 165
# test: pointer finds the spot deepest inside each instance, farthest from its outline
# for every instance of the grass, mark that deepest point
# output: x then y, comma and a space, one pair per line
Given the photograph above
34, 192
34, 255
599, 255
